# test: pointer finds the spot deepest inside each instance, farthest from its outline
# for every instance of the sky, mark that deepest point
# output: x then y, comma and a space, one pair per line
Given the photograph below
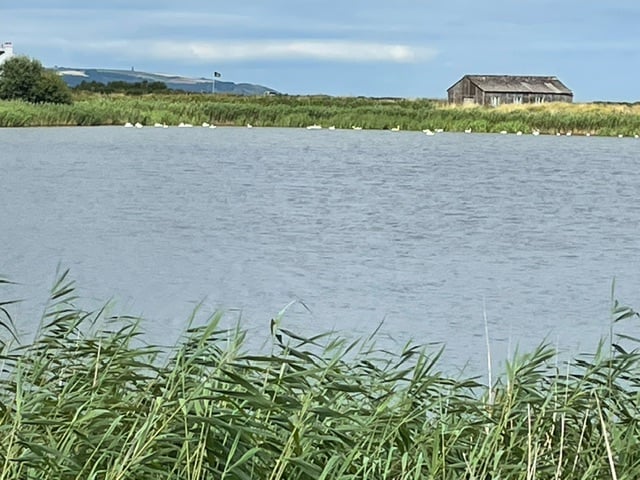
378, 48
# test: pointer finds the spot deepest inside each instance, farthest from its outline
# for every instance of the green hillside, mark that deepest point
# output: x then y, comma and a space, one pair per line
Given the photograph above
75, 76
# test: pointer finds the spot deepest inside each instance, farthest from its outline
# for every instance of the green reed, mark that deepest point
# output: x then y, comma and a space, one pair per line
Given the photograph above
294, 111
86, 398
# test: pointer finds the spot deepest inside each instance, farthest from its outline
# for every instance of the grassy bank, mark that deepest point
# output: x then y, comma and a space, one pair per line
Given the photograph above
86, 399
285, 111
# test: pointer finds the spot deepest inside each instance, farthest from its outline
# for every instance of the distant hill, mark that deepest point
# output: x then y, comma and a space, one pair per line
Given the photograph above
75, 76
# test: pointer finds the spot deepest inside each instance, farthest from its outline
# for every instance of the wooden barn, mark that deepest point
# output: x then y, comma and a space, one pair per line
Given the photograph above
497, 90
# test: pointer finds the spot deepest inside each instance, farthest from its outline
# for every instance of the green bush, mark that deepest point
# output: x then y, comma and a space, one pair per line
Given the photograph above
22, 78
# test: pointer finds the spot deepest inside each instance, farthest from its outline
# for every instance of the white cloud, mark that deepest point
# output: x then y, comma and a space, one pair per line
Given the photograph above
238, 51
251, 33
264, 50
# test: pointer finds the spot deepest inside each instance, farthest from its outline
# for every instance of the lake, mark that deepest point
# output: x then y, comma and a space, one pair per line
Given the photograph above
427, 234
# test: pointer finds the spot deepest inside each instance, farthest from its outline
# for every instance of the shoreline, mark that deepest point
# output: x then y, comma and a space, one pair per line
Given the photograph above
588, 119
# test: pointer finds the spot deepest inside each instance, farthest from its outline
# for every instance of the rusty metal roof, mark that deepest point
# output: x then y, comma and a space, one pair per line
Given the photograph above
519, 84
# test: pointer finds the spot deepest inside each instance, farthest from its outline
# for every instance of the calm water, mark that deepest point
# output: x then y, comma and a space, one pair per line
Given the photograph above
422, 232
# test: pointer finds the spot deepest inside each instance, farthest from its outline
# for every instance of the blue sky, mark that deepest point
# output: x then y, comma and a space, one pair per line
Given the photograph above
400, 48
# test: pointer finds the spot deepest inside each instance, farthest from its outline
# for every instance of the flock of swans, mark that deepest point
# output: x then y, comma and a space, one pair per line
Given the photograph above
426, 131
164, 125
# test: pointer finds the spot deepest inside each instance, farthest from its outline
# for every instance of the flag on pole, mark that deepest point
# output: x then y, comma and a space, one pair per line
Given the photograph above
217, 74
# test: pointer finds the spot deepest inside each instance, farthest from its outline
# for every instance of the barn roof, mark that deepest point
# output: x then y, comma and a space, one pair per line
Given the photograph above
519, 84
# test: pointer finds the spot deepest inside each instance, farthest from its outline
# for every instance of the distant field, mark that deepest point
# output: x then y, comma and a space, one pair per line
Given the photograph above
341, 112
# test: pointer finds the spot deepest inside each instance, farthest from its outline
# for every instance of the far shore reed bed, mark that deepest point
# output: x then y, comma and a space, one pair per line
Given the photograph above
86, 398
342, 112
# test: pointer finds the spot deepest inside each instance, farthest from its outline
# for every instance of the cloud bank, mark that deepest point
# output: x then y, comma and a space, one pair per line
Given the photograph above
263, 50
327, 50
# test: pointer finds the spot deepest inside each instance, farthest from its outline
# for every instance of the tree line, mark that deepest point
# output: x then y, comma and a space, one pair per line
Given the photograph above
129, 88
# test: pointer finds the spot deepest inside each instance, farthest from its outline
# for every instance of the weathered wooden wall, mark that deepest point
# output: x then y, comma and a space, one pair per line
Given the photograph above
465, 91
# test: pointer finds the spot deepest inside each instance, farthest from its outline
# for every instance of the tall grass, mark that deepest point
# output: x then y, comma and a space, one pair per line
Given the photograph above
286, 111
87, 399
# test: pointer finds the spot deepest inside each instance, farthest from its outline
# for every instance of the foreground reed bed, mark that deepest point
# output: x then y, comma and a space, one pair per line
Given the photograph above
294, 111
87, 399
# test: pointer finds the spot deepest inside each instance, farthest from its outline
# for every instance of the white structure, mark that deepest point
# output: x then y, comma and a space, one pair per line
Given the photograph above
6, 51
